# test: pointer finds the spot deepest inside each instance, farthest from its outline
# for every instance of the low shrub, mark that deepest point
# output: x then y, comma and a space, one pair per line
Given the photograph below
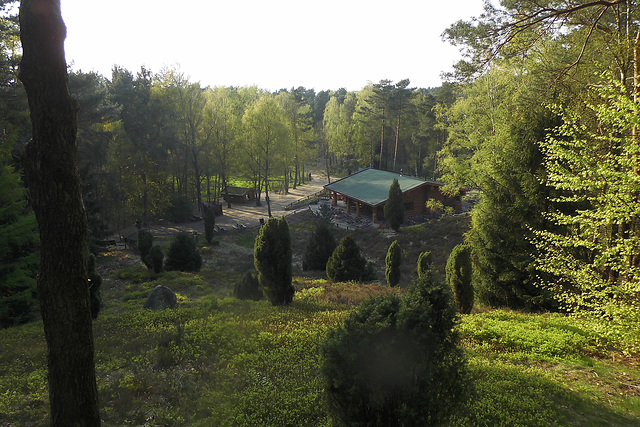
248, 288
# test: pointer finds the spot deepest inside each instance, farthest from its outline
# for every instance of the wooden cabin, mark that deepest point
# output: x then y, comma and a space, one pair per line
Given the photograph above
238, 194
366, 192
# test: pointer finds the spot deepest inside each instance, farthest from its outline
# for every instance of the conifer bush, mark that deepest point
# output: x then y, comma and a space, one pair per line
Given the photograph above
145, 242
156, 259
273, 261
458, 273
393, 262
347, 263
209, 224
396, 361
394, 208
248, 288
183, 254
425, 263
95, 281
319, 248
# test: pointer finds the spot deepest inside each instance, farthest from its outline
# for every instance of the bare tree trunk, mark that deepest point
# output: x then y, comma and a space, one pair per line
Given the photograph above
51, 169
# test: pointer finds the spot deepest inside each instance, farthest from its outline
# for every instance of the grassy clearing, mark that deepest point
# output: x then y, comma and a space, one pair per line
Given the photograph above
216, 360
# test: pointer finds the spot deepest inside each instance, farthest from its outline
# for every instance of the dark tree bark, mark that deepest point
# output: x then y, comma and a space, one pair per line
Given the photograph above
51, 169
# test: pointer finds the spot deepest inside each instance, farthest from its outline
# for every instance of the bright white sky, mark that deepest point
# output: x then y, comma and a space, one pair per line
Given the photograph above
273, 44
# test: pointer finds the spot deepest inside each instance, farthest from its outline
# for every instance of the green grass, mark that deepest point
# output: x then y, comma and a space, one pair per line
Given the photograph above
218, 361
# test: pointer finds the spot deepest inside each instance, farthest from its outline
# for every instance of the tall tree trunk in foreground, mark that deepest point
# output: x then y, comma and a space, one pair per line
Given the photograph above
51, 168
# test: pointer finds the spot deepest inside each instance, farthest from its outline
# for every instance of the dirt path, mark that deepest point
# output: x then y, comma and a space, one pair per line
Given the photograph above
248, 214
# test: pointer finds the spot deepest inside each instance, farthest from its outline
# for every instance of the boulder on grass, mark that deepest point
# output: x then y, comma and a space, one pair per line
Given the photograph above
160, 298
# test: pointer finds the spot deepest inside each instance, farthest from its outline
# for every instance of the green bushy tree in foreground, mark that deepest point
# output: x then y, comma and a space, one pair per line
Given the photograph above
393, 261
183, 254
459, 272
394, 208
209, 224
396, 361
273, 261
347, 263
319, 248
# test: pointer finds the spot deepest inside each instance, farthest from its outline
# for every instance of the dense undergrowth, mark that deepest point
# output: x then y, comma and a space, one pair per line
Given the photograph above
216, 360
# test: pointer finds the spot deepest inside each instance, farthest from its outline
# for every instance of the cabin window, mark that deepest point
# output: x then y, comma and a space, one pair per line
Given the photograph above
408, 206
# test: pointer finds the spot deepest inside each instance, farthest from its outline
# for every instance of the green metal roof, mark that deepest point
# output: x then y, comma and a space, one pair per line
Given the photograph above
371, 186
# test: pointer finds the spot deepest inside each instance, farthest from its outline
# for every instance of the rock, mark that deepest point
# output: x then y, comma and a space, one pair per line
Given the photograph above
160, 298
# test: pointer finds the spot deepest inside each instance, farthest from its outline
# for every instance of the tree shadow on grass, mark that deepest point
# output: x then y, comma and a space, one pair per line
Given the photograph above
511, 395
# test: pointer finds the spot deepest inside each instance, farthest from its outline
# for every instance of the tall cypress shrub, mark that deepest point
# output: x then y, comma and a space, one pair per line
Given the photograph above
393, 261
425, 263
209, 224
394, 208
145, 242
458, 273
273, 261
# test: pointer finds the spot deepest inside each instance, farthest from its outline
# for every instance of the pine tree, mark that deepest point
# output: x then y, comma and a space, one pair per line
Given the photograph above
393, 261
319, 248
18, 248
394, 208
273, 261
